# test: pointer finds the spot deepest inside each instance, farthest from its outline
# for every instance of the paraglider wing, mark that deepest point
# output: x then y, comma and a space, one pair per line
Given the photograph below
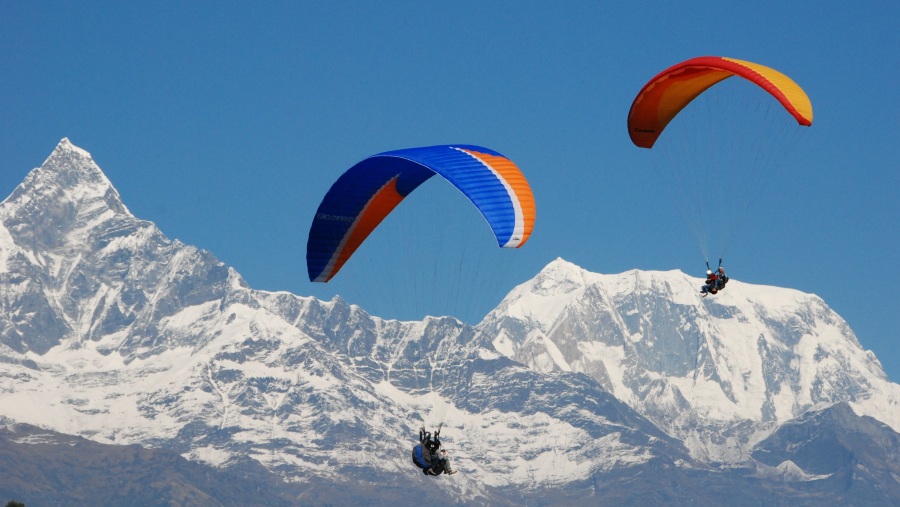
364, 195
670, 91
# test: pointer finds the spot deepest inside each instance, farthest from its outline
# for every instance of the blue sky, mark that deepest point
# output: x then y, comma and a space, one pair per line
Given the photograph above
226, 122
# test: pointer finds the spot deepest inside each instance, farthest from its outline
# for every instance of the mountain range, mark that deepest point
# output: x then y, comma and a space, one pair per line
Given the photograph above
159, 366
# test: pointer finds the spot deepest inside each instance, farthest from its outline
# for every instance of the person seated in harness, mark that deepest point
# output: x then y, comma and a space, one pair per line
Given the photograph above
429, 456
712, 283
721, 279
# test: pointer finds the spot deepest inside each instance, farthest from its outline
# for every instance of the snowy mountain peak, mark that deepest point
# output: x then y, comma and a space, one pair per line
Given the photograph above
68, 185
543, 299
65, 145
62, 202
560, 274
83, 265
751, 354
71, 166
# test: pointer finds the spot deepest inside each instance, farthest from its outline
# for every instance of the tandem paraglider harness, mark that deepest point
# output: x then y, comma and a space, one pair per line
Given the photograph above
715, 280
426, 455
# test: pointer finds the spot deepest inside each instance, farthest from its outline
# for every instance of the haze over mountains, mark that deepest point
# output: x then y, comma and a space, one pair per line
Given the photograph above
626, 388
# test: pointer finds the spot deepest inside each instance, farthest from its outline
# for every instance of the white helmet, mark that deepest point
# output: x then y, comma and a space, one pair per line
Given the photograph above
708, 272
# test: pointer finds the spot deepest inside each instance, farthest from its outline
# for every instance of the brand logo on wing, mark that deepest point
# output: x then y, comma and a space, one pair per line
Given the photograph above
334, 218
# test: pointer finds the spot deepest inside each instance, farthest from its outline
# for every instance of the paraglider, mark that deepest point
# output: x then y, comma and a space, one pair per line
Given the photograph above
715, 280
724, 146
429, 454
363, 196
367, 192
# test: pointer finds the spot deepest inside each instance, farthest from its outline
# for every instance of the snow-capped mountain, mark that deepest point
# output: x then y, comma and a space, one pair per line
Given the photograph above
717, 372
575, 385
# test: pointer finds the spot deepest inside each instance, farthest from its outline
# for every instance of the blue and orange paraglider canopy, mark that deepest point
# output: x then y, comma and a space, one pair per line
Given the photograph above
367, 192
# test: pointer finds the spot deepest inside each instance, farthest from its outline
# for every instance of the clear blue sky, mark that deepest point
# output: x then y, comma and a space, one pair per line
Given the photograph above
226, 122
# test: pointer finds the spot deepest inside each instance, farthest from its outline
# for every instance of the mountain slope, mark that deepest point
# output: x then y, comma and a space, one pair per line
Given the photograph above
40, 467
116, 333
717, 372
834, 453
578, 387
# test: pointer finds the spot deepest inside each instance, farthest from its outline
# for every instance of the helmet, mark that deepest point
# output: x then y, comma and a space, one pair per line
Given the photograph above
708, 272
721, 269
